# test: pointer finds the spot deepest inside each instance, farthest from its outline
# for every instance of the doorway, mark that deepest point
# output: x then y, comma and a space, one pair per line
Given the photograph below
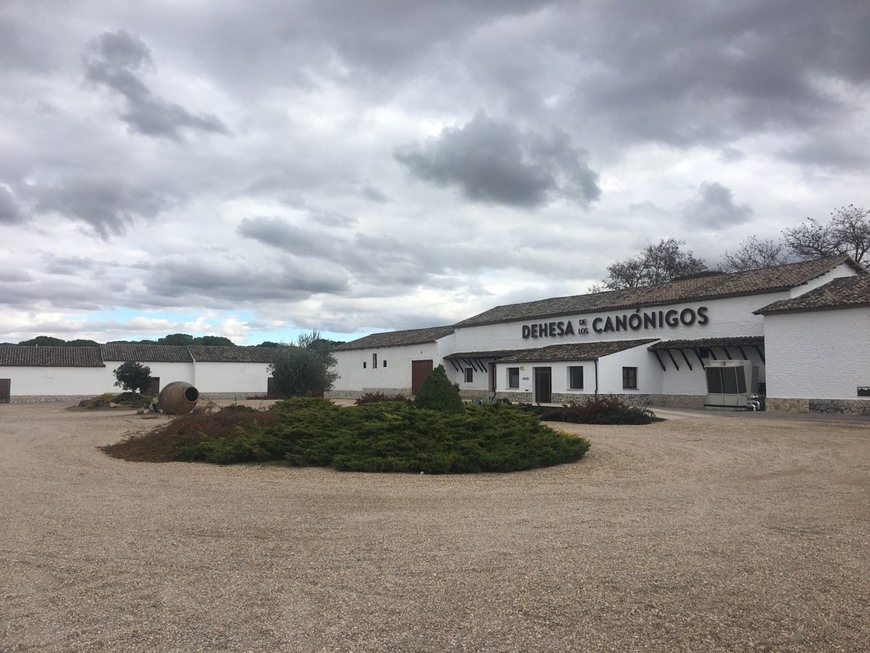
543, 385
420, 370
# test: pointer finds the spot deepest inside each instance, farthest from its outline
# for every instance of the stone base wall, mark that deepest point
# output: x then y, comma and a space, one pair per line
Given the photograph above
356, 394
516, 397
72, 400
827, 406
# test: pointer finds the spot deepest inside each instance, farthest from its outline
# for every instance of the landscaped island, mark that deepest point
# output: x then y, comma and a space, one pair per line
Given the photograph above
392, 436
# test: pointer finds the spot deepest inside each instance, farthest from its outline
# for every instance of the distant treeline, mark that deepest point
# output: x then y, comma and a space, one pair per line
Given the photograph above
173, 339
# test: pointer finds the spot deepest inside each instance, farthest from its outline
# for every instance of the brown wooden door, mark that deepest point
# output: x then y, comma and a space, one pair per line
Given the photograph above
5, 391
420, 370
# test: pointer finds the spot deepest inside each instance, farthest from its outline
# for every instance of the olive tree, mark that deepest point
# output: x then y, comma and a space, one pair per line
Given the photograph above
133, 376
303, 369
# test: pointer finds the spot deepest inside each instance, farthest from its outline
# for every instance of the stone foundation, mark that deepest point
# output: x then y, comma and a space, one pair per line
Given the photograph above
827, 406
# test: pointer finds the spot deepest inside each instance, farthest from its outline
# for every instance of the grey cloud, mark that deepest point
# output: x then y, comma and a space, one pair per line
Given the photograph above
71, 265
331, 218
373, 194
229, 282
279, 233
113, 61
10, 213
108, 206
492, 161
714, 207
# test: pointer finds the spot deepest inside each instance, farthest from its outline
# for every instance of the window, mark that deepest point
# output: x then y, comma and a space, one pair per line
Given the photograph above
629, 378
384, 364
469, 375
575, 377
513, 377
364, 364
374, 361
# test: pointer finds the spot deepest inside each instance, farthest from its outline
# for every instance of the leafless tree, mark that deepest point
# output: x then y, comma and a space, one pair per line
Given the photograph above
753, 253
655, 264
847, 232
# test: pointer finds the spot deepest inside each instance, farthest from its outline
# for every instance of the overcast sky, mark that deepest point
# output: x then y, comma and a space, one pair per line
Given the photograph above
253, 169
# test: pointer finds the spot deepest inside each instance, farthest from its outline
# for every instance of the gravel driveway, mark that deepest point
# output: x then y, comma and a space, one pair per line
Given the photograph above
701, 533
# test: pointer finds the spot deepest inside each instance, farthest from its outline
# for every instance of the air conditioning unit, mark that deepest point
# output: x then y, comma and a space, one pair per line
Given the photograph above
729, 384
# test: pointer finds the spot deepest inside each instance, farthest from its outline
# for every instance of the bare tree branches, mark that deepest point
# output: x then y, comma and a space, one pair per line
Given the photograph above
753, 253
655, 264
847, 232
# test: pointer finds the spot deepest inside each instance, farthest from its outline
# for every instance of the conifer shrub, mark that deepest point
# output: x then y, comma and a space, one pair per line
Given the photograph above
373, 437
437, 393
376, 397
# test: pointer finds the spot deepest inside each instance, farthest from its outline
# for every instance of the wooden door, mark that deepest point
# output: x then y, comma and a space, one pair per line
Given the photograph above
5, 391
420, 370
543, 385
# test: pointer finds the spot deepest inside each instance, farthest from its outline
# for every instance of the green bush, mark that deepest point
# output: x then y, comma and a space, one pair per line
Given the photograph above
437, 393
374, 437
376, 397
108, 400
603, 409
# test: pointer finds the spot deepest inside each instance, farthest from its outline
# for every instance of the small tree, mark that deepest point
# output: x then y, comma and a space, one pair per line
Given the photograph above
437, 393
133, 376
302, 370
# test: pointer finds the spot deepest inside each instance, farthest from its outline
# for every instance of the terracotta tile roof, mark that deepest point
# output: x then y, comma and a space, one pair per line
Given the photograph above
746, 341
203, 354
711, 286
845, 292
146, 353
579, 351
397, 338
24, 356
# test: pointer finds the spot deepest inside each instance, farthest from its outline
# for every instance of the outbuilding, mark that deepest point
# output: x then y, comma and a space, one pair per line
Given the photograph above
31, 374
709, 340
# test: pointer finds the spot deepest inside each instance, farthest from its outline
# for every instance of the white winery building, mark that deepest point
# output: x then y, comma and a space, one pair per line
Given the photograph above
798, 334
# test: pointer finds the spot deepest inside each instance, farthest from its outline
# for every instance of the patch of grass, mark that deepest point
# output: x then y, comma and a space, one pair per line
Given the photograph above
374, 437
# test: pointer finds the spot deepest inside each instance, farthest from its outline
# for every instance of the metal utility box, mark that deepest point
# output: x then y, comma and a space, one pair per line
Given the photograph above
729, 383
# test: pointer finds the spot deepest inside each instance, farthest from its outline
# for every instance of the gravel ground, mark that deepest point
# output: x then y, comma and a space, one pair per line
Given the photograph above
701, 533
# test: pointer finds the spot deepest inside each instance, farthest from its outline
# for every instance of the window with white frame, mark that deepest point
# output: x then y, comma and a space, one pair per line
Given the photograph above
469, 375
513, 377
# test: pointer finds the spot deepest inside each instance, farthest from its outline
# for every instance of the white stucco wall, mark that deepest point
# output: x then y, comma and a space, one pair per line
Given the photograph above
841, 270
229, 377
38, 381
725, 318
394, 376
819, 354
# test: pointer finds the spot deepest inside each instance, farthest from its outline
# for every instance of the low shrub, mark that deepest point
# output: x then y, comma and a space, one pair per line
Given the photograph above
110, 400
389, 436
603, 409
378, 397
